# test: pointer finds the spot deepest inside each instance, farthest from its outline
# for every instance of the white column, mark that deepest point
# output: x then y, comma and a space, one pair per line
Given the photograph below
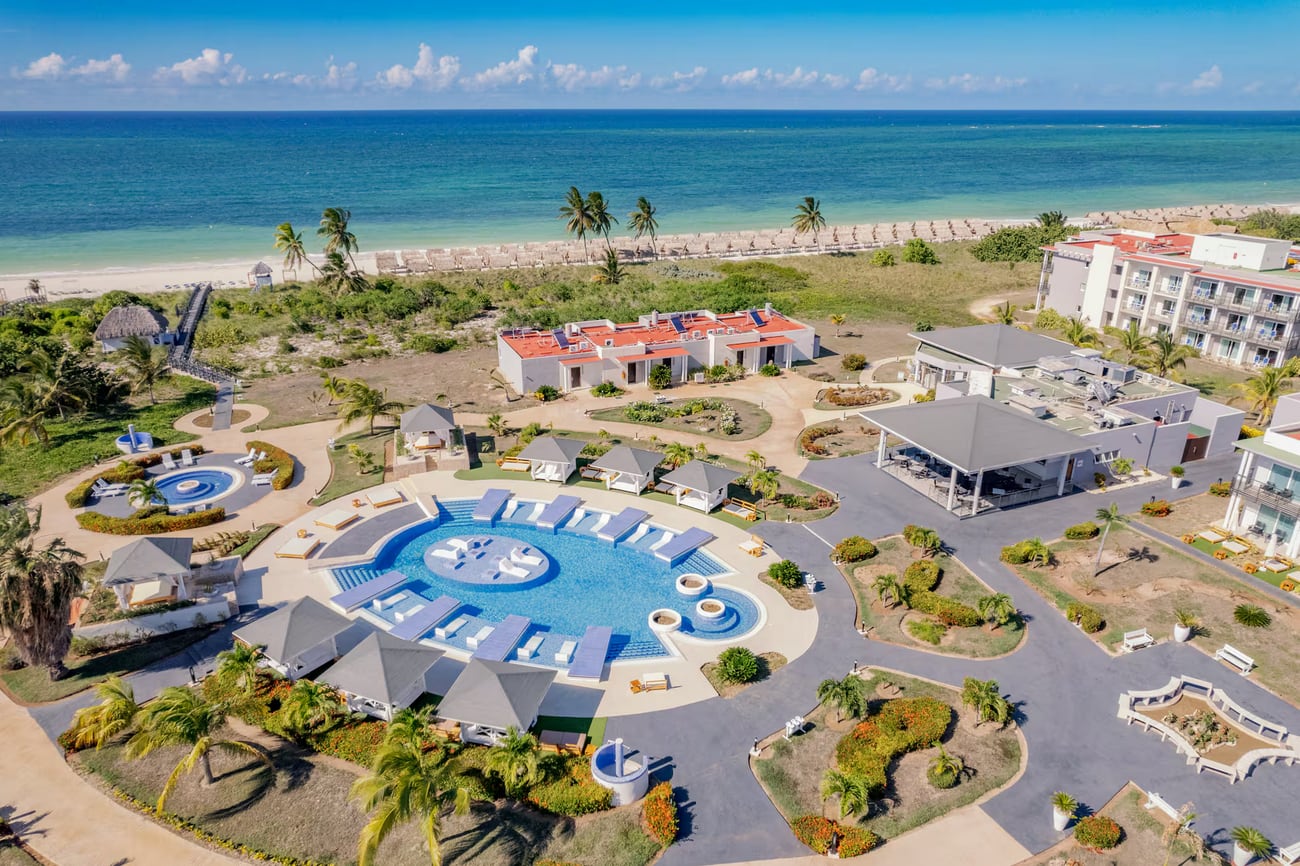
880, 450
1293, 544
952, 488
1060, 478
975, 494
1230, 516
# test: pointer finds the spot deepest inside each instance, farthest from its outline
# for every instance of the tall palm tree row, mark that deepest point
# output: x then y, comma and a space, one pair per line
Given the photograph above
576, 211
642, 222
38, 582
338, 237
808, 218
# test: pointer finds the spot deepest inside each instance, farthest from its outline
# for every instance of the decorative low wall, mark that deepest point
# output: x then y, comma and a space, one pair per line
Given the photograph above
1288, 748
213, 609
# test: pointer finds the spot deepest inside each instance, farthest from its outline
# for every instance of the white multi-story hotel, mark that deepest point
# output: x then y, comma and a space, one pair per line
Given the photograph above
1234, 298
1265, 500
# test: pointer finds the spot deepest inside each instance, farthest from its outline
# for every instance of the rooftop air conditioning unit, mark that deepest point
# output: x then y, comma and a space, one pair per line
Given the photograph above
1115, 419
696, 335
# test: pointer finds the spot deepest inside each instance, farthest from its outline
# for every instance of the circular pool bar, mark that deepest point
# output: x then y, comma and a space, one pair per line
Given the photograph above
692, 584
710, 608
191, 486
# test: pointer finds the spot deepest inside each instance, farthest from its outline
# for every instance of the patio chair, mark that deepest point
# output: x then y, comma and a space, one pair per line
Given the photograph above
250, 458
168, 462
187, 457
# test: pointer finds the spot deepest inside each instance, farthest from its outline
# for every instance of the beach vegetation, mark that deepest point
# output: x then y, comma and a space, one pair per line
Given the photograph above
1271, 223
1005, 314
38, 581
882, 259
363, 403
611, 270
1020, 243
917, 251
290, 243
338, 236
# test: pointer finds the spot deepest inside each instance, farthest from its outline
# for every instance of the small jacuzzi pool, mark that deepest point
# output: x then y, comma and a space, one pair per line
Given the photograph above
188, 486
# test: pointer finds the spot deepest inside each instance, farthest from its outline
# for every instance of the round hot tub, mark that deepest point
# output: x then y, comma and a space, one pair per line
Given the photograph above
664, 620
192, 486
710, 608
187, 486
691, 584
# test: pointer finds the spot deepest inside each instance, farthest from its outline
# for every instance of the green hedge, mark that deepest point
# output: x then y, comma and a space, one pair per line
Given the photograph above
902, 725
153, 523
574, 794
922, 576
276, 458
1087, 616
1081, 531
123, 473
949, 611
855, 548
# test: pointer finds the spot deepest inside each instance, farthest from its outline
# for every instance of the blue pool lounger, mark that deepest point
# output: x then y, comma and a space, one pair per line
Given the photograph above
490, 505
589, 659
503, 639
682, 546
414, 627
556, 513
621, 524
358, 595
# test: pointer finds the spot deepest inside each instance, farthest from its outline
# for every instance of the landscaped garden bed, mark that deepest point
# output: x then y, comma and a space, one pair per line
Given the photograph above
891, 750
838, 439
766, 664
1143, 842
858, 397
350, 471
705, 416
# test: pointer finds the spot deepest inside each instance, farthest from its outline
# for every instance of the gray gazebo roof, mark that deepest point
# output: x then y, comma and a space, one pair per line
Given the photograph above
549, 449
293, 629
149, 559
630, 461
381, 667
974, 433
699, 475
261, 269
427, 417
496, 694
131, 320
994, 345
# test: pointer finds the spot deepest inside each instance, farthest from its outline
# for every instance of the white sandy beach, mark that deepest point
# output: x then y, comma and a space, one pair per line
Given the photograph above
731, 244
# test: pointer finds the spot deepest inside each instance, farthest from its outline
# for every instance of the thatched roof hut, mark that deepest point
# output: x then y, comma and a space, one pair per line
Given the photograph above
131, 320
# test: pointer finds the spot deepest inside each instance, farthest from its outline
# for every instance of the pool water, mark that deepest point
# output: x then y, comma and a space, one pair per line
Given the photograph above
211, 483
589, 582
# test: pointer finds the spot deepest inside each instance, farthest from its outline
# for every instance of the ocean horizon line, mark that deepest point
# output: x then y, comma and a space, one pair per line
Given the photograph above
655, 110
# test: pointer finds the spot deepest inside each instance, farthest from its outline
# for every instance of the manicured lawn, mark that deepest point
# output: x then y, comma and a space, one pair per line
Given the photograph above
893, 557
1141, 583
345, 477
754, 421
78, 442
593, 728
791, 770
33, 685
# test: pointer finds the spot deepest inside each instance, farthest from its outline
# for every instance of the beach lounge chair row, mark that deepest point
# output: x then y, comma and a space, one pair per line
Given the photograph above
187, 459
252, 457
189, 509
265, 478
102, 489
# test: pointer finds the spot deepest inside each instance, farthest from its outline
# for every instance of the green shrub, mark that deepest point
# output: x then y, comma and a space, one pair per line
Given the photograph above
1031, 550
853, 362
660, 377
153, 524
818, 832
1087, 616
546, 394
276, 458
1097, 833
855, 548
737, 664
1018, 243
1121, 466
659, 812
606, 389
786, 573
922, 325
949, 611
882, 259
1159, 508
940, 779
769, 369
1220, 488
900, 726
1081, 531
919, 252
429, 343
1251, 616
573, 795
329, 362
928, 396
922, 575
927, 630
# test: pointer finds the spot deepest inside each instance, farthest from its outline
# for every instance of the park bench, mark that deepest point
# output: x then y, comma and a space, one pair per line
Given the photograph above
1235, 657
1136, 640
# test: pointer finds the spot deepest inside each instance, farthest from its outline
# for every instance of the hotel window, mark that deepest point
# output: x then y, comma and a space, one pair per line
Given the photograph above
1276, 523
1167, 308
1227, 348
1174, 283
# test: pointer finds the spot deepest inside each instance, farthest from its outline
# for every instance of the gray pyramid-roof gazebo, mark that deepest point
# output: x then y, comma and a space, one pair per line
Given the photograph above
489, 697
131, 320
700, 485
552, 459
382, 674
149, 570
426, 418
297, 638
626, 468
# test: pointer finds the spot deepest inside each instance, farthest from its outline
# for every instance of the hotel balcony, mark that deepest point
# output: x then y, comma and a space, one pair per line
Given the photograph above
1281, 498
1140, 285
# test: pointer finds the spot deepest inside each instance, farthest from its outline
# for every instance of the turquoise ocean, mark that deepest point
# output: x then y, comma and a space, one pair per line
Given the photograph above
87, 191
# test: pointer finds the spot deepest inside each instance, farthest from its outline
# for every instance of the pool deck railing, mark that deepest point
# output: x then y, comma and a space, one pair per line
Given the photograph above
557, 511
503, 639
357, 596
418, 623
621, 524
490, 505
589, 658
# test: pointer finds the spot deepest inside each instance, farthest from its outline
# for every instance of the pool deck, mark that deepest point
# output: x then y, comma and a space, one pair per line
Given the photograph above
784, 630
242, 495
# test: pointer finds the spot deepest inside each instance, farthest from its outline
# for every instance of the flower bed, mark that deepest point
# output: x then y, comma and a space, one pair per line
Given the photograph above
1097, 833
149, 523
576, 793
276, 458
902, 725
854, 397
659, 811
817, 832
808, 439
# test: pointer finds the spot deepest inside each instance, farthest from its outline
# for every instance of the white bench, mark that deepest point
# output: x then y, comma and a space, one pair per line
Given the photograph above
446, 631
1136, 640
1235, 657
565, 654
394, 599
403, 615
1155, 801
478, 637
529, 649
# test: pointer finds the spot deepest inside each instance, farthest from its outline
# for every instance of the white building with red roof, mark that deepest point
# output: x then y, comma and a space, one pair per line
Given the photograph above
1234, 298
584, 354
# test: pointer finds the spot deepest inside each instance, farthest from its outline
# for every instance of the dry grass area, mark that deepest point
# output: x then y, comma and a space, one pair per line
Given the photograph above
791, 770
768, 664
889, 624
855, 437
1141, 844
1190, 515
1141, 583
871, 340
237, 417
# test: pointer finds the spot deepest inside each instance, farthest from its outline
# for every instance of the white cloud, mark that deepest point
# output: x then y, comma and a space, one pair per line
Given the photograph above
796, 78
112, 69
835, 82
680, 81
1253, 87
873, 79
744, 78
969, 83
505, 73
48, 68
573, 77
431, 73
1210, 79
210, 67
339, 77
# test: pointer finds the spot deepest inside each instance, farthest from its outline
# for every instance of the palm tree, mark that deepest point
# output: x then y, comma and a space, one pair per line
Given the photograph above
243, 664
96, 725
407, 783
496, 422
1251, 841
601, 219
677, 455
611, 270
1133, 346
1181, 830
1036, 552
998, 608
848, 695
1106, 518
22, 417
1165, 355
853, 790
339, 278
182, 717
808, 218
362, 458
928, 542
577, 211
945, 764
1051, 219
838, 319
37, 586
144, 492
755, 460
290, 243
55, 381
308, 706
889, 586
642, 221
764, 483
361, 401
334, 386
985, 698
145, 365
1005, 314
514, 759
1077, 333
1262, 390
334, 229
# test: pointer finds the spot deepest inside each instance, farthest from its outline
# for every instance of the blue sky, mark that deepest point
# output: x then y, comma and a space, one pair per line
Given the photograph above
130, 54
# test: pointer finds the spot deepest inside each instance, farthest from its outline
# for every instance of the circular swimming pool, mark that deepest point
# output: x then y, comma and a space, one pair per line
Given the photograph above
590, 582
190, 486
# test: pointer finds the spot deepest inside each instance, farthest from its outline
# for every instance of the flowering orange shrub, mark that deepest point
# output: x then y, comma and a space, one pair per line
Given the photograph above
901, 725
817, 833
1097, 833
659, 811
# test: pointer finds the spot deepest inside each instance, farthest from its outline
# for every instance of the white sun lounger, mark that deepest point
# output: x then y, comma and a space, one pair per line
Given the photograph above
517, 555
445, 631
478, 637
168, 462
247, 460
298, 548
530, 647
187, 457
668, 536
504, 566
444, 553
265, 478
391, 601
565, 653
337, 519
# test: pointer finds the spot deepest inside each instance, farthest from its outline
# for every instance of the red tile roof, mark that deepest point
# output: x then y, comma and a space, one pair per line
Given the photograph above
540, 344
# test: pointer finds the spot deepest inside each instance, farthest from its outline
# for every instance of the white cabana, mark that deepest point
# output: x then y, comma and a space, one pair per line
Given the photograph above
628, 469
382, 674
552, 459
489, 698
700, 485
298, 638
150, 571
430, 428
